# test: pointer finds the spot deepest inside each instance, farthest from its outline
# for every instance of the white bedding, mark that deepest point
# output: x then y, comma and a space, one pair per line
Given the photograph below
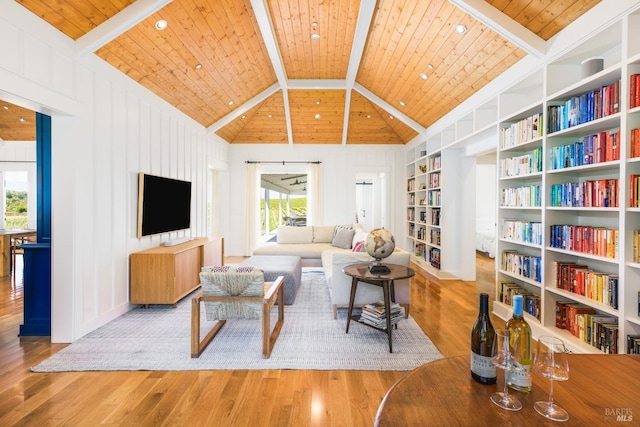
486, 242
486, 236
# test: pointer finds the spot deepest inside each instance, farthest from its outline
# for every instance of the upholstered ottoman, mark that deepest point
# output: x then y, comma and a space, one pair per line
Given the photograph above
273, 266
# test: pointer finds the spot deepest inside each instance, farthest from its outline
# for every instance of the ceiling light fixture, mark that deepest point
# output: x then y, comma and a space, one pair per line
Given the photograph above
23, 120
424, 76
161, 25
198, 66
318, 102
230, 103
429, 66
402, 103
6, 107
368, 116
270, 116
317, 116
314, 24
461, 28
315, 36
244, 116
391, 117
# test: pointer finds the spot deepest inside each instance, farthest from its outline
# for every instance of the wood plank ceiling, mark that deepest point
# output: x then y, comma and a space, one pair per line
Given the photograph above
311, 72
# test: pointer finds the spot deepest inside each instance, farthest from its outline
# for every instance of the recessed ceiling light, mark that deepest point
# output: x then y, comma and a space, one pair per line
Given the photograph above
402, 103
317, 116
314, 24
368, 116
198, 66
244, 116
424, 76
461, 28
318, 102
6, 107
391, 117
161, 24
230, 103
23, 120
315, 36
269, 116
430, 67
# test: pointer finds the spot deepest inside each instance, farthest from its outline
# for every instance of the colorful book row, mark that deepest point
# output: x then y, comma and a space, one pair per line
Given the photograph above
601, 193
521, 197
634, 191
596, 241
634, 92
525, 164
596, 148
531, 301
522, 231
522, 265
580, 280
635, 143
636, 256
525, 130
434, 163
585, 108
599, 330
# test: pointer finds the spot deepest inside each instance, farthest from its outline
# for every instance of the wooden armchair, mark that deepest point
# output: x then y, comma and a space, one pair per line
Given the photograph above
236, 293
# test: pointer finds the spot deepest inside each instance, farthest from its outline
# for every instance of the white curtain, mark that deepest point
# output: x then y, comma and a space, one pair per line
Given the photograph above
252, 212
314, 194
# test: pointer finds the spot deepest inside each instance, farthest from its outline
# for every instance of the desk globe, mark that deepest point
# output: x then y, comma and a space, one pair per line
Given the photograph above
379, 244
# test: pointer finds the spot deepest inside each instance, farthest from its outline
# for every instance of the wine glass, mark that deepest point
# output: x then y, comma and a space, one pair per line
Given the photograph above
503, 359
550, 361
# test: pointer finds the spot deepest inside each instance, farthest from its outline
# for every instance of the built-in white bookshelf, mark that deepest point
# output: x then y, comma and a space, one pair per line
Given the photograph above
578, 195
556, 195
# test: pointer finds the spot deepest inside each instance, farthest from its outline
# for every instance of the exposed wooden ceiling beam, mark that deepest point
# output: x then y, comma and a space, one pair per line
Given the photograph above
263, 17
504, 25
118, 24
389, 108
363, 26
243, 108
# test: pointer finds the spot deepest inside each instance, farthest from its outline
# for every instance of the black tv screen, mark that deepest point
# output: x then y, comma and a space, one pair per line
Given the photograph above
164, 204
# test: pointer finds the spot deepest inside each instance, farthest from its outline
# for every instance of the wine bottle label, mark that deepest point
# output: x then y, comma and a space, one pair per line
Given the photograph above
520, 377
482, 366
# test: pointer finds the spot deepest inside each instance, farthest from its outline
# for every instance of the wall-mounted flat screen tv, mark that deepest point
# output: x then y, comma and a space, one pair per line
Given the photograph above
164, 204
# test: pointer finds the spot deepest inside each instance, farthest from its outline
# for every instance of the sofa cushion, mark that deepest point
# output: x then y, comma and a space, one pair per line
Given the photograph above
323, 233
342, 238
288, 234
304, 251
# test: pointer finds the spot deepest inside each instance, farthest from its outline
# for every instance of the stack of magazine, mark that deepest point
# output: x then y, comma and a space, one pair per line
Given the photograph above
375, 314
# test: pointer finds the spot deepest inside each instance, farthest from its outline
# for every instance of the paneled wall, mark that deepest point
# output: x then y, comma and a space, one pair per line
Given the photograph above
106, 129
340, 165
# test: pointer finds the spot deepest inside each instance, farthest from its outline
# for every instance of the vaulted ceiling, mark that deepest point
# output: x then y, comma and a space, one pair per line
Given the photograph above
311, 71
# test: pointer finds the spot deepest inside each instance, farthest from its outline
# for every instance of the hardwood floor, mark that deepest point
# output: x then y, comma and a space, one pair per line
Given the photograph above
444, 309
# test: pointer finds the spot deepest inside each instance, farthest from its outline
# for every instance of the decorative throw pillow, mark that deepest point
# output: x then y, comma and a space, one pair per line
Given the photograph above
358, 247
340, 227
342, 238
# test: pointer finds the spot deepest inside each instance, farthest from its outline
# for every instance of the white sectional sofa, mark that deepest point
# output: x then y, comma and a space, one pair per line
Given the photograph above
332, 248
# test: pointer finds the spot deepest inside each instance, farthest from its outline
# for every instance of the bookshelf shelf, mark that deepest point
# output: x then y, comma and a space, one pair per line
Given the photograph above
520, 278
583, 300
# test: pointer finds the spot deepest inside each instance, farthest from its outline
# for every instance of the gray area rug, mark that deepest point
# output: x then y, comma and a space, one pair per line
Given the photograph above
158, 339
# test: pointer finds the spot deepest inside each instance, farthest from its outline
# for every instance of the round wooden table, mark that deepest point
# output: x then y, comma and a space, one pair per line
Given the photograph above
361, 273
601, 390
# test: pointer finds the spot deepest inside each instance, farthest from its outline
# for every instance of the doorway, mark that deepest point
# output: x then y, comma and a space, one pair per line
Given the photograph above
371, 200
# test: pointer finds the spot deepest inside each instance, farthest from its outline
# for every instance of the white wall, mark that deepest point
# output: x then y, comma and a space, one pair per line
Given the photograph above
486, 184
340, 166
105, 129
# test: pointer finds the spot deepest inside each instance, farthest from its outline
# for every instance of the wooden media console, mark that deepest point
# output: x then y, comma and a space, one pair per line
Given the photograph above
166, 274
